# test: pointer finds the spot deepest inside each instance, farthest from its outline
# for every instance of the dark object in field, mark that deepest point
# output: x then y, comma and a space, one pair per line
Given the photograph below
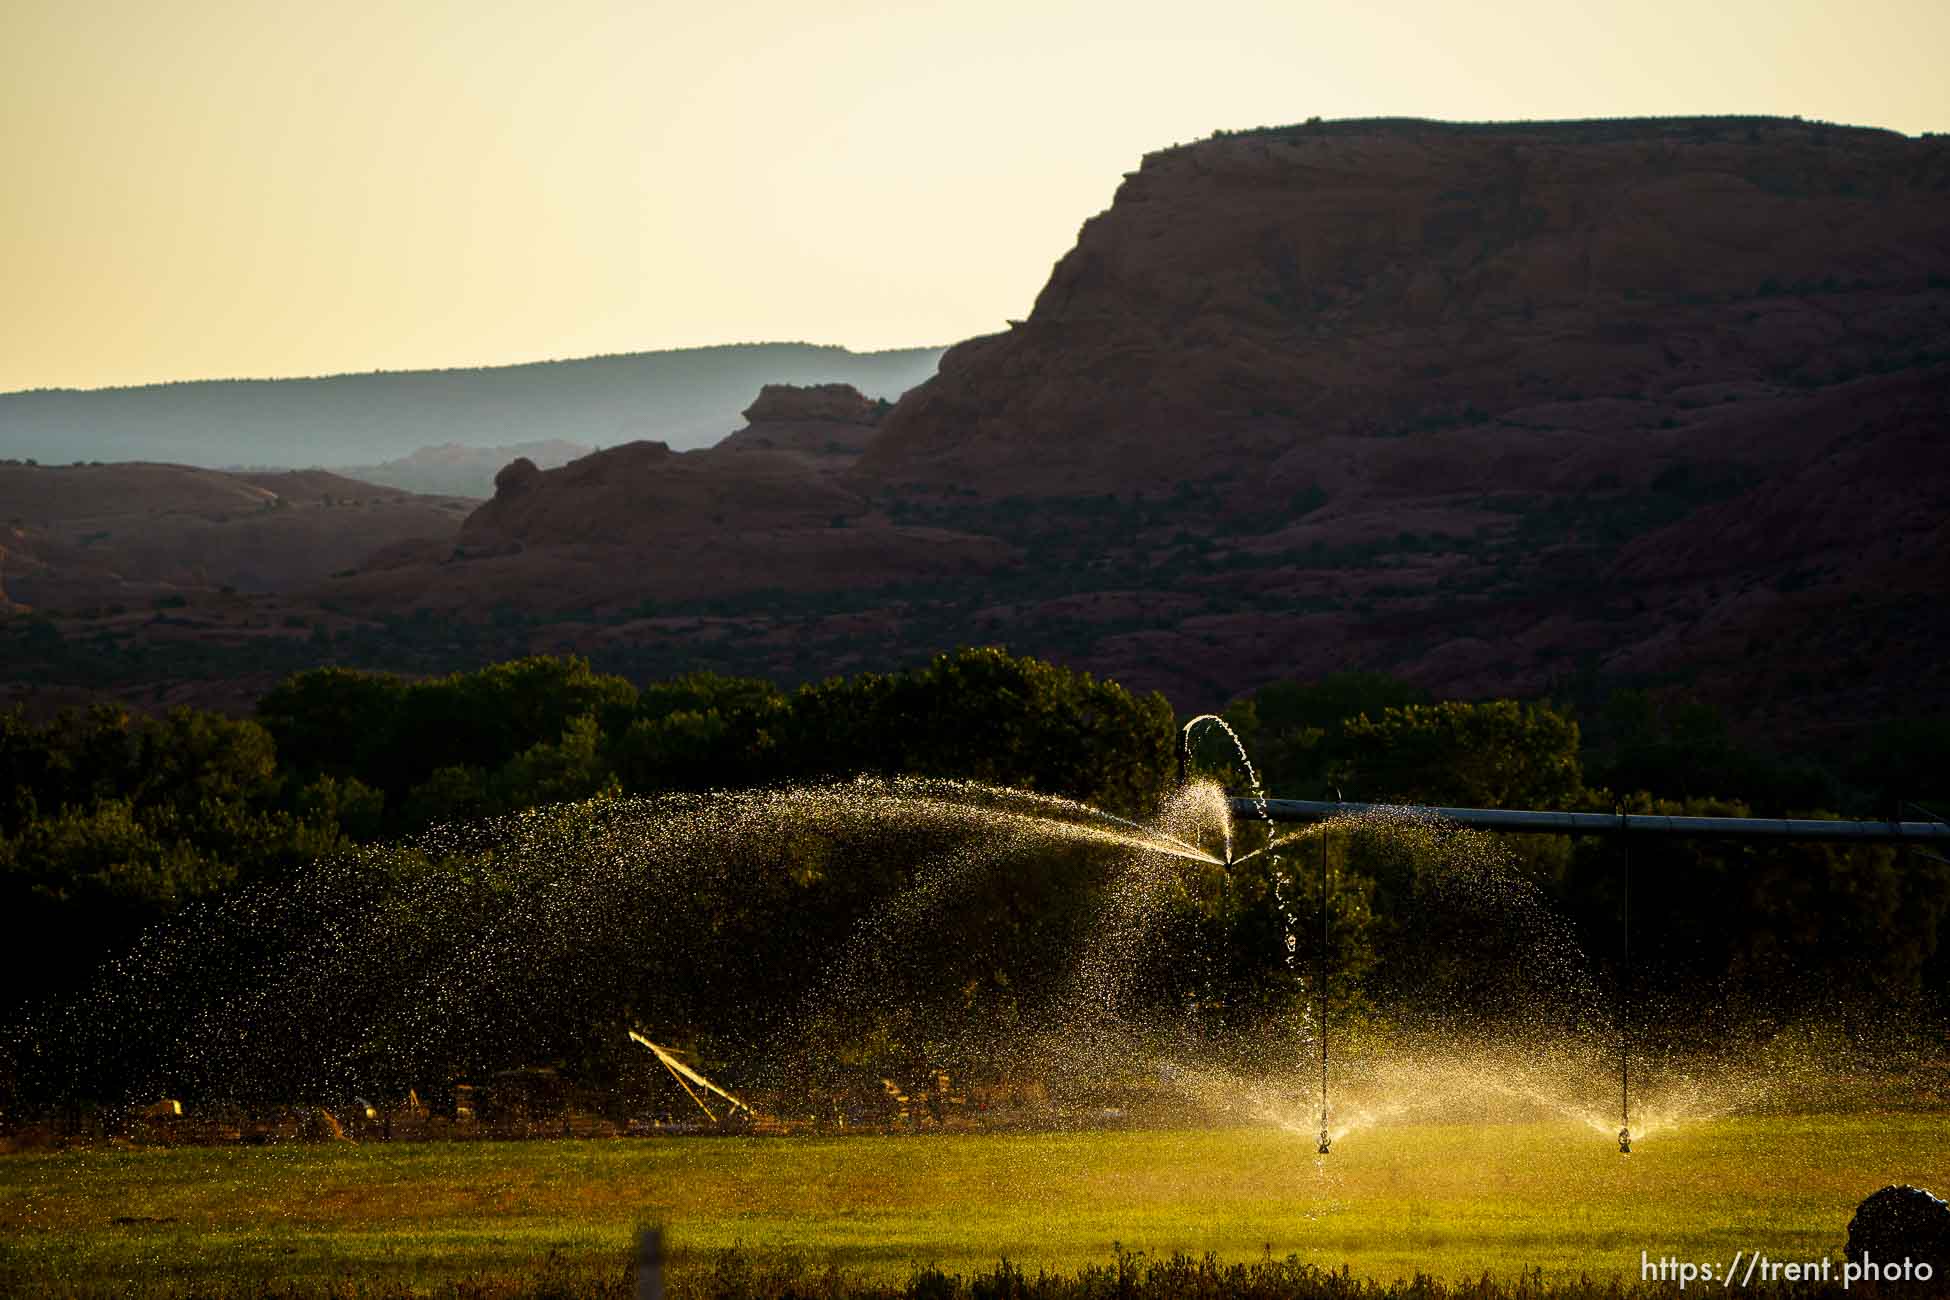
1900, 1222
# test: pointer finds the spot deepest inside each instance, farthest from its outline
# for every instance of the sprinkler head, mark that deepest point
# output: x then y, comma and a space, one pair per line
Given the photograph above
1323, 1142
1625, 1142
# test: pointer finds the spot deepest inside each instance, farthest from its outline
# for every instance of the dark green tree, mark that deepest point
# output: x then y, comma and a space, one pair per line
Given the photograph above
1486, 754
1296, 731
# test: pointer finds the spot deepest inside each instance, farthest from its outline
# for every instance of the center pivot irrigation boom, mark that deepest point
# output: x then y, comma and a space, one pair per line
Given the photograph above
1536, 822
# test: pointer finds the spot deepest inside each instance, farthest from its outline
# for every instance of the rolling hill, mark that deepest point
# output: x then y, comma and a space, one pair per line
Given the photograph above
688, 398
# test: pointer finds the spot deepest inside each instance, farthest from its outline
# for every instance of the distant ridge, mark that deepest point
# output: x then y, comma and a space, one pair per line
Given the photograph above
1577, 128
687, 397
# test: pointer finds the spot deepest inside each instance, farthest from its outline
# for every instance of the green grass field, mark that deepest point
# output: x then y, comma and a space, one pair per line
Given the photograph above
1452, 1200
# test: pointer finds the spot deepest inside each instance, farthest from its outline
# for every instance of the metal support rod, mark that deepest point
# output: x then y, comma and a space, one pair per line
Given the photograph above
1540, 822
1625, 997
1321, 983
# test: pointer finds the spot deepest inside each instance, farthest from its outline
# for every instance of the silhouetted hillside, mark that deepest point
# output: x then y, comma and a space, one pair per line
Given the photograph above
1528, 409
125, 535
687, 398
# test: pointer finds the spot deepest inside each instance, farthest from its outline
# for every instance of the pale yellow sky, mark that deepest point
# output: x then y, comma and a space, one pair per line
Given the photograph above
207, 188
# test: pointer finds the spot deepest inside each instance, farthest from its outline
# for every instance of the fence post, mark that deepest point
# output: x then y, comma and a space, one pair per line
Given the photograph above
650, 1264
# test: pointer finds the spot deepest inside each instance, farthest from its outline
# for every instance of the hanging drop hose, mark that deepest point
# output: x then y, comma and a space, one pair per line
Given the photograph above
1321, 982
1624, 999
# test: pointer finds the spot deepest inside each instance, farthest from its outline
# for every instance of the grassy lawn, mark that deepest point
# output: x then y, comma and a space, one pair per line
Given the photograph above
1452, 1200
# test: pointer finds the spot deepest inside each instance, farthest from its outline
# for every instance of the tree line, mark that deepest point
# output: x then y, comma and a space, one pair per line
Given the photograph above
111, 823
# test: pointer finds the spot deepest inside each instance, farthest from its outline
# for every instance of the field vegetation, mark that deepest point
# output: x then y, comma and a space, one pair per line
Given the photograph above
1535, 1204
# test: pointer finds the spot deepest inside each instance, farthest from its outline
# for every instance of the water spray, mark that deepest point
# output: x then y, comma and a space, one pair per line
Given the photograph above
1624, 995
1259, 806
1321, 984
1259, 802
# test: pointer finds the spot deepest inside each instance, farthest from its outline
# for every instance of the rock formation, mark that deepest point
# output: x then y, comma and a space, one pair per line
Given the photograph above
825, 427
516, 477
645, 493
1480, 406
833, 403
765, 509
1480, 403
1514, 409
1286, 302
